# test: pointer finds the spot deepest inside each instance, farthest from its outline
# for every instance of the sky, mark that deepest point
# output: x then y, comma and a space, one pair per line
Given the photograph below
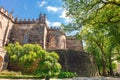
32, 8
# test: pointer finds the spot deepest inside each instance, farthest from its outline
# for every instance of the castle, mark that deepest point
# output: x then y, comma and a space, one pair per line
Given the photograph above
33, 31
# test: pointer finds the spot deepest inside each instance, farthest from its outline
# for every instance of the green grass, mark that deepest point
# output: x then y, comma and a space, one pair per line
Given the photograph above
17, 75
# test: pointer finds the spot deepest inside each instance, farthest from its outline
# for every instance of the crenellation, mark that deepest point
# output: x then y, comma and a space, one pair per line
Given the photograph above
29, 20
10, 15
54, 28
6, 12
16, 19
2, 9
25, 21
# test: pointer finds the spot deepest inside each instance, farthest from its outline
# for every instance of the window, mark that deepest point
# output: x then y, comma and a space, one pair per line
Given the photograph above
0, 25
64, 44
26, 38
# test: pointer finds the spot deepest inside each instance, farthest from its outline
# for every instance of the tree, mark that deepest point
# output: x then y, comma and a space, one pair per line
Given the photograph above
28, 54
95, 12
101, 46
99, 20
48, 65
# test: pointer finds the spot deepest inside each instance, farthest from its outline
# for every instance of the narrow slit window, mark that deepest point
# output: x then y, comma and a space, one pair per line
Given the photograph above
26, 38
0, 25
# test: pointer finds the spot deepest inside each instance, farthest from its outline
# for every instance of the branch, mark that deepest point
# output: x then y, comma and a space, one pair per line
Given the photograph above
111, 2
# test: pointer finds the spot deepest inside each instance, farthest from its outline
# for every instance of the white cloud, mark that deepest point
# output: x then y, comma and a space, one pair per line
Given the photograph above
48, 22
57, 24
51, 8
64, 16
40, 4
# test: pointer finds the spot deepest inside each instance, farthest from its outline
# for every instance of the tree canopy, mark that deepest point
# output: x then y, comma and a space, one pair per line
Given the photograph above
99, 25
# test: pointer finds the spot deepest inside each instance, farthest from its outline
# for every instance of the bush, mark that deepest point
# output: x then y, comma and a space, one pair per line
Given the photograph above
67, 74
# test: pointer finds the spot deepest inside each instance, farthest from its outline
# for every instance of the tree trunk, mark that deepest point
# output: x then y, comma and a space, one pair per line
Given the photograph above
110, 67
103, 64
99, 70
47, 78
103, 67
103, 60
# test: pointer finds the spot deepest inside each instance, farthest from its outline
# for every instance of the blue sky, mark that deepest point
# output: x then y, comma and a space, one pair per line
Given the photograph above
32, 8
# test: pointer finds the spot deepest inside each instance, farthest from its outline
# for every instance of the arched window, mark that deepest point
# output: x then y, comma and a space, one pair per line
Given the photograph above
26, 38
52, 42
0, 25
64, 44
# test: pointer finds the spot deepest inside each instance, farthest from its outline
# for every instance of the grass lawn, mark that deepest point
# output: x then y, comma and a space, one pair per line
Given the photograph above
16, 75
19, 76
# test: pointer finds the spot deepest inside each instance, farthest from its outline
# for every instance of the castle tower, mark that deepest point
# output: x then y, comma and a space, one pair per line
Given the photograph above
42, 18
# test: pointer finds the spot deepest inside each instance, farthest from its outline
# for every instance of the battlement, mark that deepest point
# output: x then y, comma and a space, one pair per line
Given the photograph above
54, 28
29, 21
41, 19
5, 12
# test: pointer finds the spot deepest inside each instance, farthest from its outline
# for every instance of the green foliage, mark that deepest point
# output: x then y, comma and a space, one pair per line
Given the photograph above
100, 20
14, 51
33, 57
67, 74
49, 65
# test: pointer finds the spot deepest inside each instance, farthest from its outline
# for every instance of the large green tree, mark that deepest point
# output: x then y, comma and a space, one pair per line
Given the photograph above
99, 22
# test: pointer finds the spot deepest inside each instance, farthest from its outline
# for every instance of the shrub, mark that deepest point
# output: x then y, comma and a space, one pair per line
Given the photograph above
67, 74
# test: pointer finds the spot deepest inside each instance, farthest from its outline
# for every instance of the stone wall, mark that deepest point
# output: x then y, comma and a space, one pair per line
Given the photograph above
56, 39
28, 33
5, 26
74, 61
77, 61
6, 23
74, 44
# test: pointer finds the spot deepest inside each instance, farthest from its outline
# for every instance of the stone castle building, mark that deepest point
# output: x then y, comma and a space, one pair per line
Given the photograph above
33, 31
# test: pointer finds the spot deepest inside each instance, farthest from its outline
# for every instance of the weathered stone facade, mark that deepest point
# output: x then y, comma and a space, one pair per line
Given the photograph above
74, 44
32, 31
80, 62
6, 23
